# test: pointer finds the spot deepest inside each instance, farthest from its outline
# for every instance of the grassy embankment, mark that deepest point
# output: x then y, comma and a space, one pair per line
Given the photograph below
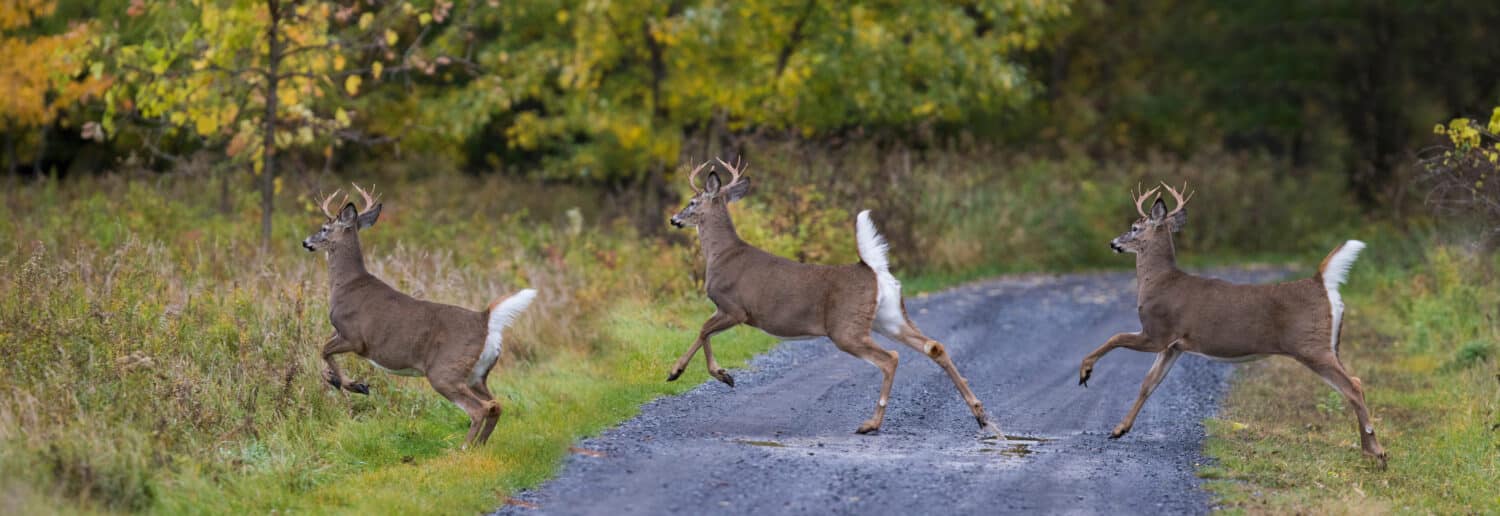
1421, 332
152, 358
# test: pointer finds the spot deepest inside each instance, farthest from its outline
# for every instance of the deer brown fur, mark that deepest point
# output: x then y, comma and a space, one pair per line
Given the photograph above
453, 347
1180, 312
794, 300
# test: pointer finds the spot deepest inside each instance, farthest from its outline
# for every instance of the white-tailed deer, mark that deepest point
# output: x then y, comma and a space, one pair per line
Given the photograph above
1180, 312
794, 300
453, 347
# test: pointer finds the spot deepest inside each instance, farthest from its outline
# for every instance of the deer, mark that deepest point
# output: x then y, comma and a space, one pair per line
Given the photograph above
453, 347
797, 301
1180, 312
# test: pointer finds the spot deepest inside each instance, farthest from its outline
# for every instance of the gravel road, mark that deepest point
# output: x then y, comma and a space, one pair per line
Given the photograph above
783, 442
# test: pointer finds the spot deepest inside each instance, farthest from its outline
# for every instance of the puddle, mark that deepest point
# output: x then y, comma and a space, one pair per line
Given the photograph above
1009, 438
770, 444
1012, 445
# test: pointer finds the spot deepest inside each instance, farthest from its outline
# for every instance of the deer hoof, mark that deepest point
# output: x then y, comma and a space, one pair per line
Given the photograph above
360, 388
332, 379
1083, 376
723, 376
867, 428
672, 376
1117, 432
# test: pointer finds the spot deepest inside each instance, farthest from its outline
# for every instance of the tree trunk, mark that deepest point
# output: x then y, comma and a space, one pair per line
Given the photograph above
41, 152
268, 153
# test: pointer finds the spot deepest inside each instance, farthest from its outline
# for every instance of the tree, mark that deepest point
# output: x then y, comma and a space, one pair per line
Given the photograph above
255, 78
40, 74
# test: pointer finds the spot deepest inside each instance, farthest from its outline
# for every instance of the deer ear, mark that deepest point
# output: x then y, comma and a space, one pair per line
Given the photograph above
1158, 210
737, 190
348, 214
1178, 220
712, 186
369, 217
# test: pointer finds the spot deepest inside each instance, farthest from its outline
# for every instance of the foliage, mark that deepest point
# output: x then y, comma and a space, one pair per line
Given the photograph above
41, 74
612, 90
1461, 174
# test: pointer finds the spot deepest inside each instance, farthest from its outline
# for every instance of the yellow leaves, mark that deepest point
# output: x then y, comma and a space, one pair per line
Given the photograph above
342, 117
351, 84
562, 16
391, 38
424, 19
376, 69
338, 62
365, 20
1494, 126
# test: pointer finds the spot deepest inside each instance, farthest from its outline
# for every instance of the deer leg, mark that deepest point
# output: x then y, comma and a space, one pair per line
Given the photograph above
1164, 361
719, 322
913, 338
1136, 341
864, 347
461, 395
1328, 367
337, 345
483, 393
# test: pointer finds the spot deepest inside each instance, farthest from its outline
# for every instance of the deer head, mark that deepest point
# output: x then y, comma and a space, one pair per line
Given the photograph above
713, 194
342, 226
1155, 226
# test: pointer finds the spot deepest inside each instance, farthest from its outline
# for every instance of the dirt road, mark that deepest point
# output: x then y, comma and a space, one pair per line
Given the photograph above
783, 442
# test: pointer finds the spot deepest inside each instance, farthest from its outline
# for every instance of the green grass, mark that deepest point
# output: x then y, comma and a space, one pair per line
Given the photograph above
1420, 333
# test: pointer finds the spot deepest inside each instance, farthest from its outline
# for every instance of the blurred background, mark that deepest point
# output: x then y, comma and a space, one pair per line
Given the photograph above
162, 159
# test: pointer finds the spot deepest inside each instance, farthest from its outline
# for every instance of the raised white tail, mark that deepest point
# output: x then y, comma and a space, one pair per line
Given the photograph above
872, 250
502, 314
1335, 271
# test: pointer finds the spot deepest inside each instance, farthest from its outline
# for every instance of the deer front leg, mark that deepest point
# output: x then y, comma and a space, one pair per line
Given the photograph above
332, 375
1328, 367
1164, 361
720, 321
480, 411
1136, 341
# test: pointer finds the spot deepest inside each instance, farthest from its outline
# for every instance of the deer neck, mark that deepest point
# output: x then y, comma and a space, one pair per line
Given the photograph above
716, 234
1155, 262
346, 263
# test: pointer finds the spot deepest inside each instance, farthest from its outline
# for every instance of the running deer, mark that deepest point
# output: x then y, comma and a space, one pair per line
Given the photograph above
1180, 312
792, 300
453, 347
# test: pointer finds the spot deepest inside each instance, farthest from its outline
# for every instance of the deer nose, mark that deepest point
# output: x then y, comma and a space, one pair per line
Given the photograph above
676, 222
1116, 246
308, 246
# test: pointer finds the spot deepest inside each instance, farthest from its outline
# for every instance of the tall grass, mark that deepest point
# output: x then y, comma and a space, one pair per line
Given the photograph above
154, 358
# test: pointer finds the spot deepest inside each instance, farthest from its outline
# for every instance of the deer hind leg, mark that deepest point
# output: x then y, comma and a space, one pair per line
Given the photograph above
483, 393
462, 395
1164, 361
338, 345
864, 347
720, 321
1136, 341
913, 338
1328, 367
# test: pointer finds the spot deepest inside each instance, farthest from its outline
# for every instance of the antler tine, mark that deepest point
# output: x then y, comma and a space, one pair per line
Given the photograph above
324, 204
1176, 195
734, 171
1142, 197
369, 201
693, 177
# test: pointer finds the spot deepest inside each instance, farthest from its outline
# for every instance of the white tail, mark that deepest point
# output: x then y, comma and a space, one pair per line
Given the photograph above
1335, 272
872, 251
501, 315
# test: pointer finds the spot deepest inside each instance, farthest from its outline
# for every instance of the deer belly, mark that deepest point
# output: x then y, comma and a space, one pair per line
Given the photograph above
410, 371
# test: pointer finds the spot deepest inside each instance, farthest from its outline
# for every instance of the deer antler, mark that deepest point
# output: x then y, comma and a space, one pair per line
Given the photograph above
1139, 198
369, 201
1181, 201
324, 205
734, 170
693, 178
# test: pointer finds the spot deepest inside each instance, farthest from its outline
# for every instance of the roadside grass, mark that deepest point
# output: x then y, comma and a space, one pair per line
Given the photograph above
154, 359
1421, 332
